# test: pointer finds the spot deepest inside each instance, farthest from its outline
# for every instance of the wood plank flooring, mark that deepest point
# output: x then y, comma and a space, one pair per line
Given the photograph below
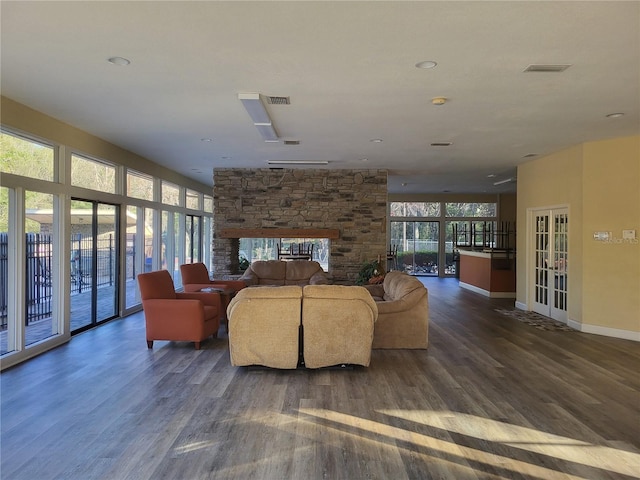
492, 398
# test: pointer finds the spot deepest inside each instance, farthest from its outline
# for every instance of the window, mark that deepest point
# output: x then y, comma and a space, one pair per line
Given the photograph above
471, 209
93, 174
139, 185
208, 204
170, 194
415, 209
26, 157
193, 200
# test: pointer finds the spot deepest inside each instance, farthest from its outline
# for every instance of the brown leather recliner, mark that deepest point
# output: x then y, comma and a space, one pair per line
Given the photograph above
169, 315
195, 277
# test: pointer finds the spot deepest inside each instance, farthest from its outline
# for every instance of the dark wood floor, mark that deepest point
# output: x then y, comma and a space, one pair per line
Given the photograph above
491, 398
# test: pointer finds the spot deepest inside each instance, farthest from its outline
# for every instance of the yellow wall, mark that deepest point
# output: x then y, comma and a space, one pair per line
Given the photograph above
599, 183
611, 294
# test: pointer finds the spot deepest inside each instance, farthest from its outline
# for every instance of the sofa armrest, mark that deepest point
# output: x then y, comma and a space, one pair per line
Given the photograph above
162, 311
211, 299
249, 277
319, 278
375, 290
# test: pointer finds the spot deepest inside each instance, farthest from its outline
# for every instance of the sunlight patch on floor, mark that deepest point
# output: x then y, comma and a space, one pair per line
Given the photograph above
569, 449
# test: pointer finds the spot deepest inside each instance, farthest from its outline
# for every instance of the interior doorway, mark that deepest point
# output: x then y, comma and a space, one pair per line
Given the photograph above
550, 230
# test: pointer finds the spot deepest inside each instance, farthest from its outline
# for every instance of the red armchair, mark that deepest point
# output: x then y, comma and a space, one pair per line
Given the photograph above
169, 315
195, 277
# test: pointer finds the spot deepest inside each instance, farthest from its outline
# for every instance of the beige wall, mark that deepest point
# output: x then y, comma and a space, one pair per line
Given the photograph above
599, 183
611, 294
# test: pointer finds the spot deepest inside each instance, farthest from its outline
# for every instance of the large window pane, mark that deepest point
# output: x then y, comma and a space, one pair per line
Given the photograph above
415, 209
93, 174
471, 209
26, 157
170, 194
5, 328
38, 262
193, 200
139, 185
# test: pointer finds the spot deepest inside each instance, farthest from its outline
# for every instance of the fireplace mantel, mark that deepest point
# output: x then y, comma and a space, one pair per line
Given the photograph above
331, 233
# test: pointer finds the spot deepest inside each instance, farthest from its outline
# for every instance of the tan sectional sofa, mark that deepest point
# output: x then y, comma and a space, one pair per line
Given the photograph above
337, 325
403, 312
280, 272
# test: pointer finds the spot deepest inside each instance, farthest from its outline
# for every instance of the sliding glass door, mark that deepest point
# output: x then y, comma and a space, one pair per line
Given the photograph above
418, 246
94, 263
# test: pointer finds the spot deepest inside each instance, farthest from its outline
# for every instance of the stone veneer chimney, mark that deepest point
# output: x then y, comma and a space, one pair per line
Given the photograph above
351, 201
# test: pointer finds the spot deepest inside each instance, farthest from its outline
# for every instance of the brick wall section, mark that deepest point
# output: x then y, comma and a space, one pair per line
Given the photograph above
352, 201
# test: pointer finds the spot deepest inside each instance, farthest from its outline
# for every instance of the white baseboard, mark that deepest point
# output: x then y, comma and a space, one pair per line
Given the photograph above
594, 329
487, 293
605, 331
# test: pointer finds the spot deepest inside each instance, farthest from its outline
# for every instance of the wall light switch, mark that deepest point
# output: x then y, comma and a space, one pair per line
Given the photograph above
628, 234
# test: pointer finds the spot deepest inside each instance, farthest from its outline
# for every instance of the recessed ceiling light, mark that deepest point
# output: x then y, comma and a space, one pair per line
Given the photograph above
426, 64
615, 115
121, 61
376, 140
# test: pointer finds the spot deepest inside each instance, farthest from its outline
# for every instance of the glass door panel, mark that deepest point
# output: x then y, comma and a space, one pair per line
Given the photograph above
418, 246
94, 265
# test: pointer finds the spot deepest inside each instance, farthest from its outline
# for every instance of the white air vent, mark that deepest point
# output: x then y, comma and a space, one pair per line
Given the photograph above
292, 142
278, 100
547, 68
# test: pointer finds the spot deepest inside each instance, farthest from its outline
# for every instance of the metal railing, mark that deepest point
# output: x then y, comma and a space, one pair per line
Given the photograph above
38, 281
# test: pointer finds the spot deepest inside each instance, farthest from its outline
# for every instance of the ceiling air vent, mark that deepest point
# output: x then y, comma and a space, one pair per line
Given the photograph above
441, 144
547, 68
292, 142
278, 100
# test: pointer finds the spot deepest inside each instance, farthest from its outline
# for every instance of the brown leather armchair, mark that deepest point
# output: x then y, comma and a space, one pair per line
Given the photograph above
195, 277
169, 315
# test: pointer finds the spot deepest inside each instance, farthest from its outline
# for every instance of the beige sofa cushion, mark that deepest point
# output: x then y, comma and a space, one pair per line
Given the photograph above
337, 325
264, 324
266, 272
303, 272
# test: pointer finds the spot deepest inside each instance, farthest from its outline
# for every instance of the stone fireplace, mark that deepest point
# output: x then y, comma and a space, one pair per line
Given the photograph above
347, 206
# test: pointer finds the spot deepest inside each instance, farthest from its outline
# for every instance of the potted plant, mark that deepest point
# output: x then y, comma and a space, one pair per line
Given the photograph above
368, 271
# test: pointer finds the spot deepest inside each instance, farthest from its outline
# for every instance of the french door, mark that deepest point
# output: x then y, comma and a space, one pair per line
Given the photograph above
551, 259
94, 263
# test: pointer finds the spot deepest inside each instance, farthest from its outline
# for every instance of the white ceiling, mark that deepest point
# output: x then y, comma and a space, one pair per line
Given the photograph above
349, 70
